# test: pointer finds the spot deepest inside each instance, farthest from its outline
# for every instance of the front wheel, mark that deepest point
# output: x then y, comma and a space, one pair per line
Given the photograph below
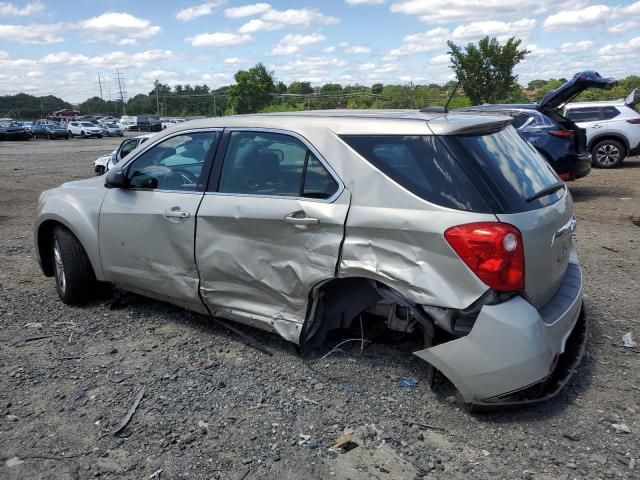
75, 280
100, 170
82, 134
608, 154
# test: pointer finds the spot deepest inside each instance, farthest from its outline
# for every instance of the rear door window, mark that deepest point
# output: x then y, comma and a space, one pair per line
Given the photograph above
584, 114
422, 165
609, 112
274, 164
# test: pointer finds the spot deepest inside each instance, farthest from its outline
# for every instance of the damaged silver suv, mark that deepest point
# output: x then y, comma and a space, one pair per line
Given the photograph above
449, 225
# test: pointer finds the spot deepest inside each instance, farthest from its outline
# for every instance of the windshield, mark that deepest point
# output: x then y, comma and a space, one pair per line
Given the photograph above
510, 167
87, 124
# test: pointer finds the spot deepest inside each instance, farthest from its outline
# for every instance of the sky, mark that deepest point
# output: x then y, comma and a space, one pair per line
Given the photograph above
63, 47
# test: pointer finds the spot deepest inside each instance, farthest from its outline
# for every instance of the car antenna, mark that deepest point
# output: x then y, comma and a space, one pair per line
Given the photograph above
444, 109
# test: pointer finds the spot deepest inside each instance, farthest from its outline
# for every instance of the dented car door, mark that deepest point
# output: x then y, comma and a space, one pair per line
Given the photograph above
147, 228
270, 228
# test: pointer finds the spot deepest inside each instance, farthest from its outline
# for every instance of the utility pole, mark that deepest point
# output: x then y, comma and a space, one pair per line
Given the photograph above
100, 85
120, 78
157, 98
215, 108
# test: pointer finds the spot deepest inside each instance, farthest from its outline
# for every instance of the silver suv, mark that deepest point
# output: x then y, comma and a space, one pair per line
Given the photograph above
450, 226
613, 128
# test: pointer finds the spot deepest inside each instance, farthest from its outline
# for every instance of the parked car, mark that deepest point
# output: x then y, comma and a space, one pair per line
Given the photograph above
613, 128
452, 225
104, 163
84, 129
28, 125
560, 141
170, 122
127, 122
147, 123
49, 129
111, 130
12, 130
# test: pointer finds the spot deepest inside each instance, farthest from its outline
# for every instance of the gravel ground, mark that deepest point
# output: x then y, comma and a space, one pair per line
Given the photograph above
215, 408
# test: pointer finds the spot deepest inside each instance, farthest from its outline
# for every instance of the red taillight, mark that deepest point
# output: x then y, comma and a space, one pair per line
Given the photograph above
565, 176
493, 251
561, 133
634, 121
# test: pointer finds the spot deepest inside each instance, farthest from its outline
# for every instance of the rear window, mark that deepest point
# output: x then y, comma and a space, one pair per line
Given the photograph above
510, 168
422, 165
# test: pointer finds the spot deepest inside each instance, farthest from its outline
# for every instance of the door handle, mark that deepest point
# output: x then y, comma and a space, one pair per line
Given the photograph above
300, 218
596, 126
176, 213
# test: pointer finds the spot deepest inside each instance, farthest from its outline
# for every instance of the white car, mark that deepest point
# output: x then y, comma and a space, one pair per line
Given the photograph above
171, 122
111, 130
84, 129
613, 128
103, 164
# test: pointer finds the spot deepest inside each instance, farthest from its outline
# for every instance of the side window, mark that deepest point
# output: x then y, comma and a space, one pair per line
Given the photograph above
176, 163
584, 114
609, 112
520, 119
262, 163
127, 147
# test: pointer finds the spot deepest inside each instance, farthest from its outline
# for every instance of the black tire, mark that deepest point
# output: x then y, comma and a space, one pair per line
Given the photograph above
99, 136
67, 137
50, 137
100, 170
608, 154
70, 134
82, 134
75, 280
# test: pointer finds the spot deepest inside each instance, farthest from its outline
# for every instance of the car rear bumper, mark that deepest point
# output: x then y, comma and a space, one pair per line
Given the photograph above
582, 167
514, 347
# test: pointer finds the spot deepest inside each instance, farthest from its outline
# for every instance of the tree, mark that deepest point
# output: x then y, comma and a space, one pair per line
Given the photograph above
300, 88
253, 89
485, 70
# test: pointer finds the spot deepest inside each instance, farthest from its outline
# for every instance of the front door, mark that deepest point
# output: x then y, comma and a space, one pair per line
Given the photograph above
147, 230
269, 229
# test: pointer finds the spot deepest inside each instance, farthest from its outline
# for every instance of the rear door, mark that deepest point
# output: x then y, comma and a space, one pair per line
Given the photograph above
269, 229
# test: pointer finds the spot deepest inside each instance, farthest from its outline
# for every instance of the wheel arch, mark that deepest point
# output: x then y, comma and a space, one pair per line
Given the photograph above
43, 241
609, 136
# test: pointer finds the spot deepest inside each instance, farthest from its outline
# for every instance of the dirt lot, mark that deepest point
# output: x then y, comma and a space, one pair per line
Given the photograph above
215, 408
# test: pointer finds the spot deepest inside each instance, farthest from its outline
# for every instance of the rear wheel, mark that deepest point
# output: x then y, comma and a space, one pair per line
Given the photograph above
608, 154
70, 134
75, 280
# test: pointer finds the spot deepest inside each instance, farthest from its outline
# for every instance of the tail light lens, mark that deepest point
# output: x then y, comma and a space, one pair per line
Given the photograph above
565, 176
634, 121
561, 133
493, 251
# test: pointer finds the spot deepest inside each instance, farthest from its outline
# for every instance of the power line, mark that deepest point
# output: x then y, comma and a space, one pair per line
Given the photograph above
122, 90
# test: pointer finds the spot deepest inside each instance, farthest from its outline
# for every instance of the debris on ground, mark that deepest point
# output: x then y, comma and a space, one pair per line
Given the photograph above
627, 340
620, 428
127, 418
407, 382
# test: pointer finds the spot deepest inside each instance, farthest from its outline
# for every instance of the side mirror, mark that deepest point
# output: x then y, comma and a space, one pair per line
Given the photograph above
116, 178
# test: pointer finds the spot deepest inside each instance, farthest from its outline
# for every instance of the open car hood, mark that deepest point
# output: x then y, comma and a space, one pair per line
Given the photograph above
579, 83
632, 98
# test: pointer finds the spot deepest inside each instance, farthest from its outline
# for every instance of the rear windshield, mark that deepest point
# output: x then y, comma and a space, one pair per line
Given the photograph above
510, 168
422, 165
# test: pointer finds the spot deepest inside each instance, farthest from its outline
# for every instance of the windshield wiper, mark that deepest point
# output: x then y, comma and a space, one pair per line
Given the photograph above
547, 191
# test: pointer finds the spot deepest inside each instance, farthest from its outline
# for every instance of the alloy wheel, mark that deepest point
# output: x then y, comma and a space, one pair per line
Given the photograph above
607, 154
59, 266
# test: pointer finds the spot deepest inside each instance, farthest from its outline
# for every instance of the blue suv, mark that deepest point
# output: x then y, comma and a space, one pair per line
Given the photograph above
560, 141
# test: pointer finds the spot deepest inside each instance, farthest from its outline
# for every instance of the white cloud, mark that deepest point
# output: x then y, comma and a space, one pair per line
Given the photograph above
233, 60
8, 9
111, 60
35, 74
444, 11
584, 17
31, 33
434, 39
633, 9
247, 10
493, 28
364, 2
623, 26
539, 52
581, 46
365, 67
120, 28
219, 39
200, 10
630, 47
278, 19
290, 43
357, 50
440, 59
